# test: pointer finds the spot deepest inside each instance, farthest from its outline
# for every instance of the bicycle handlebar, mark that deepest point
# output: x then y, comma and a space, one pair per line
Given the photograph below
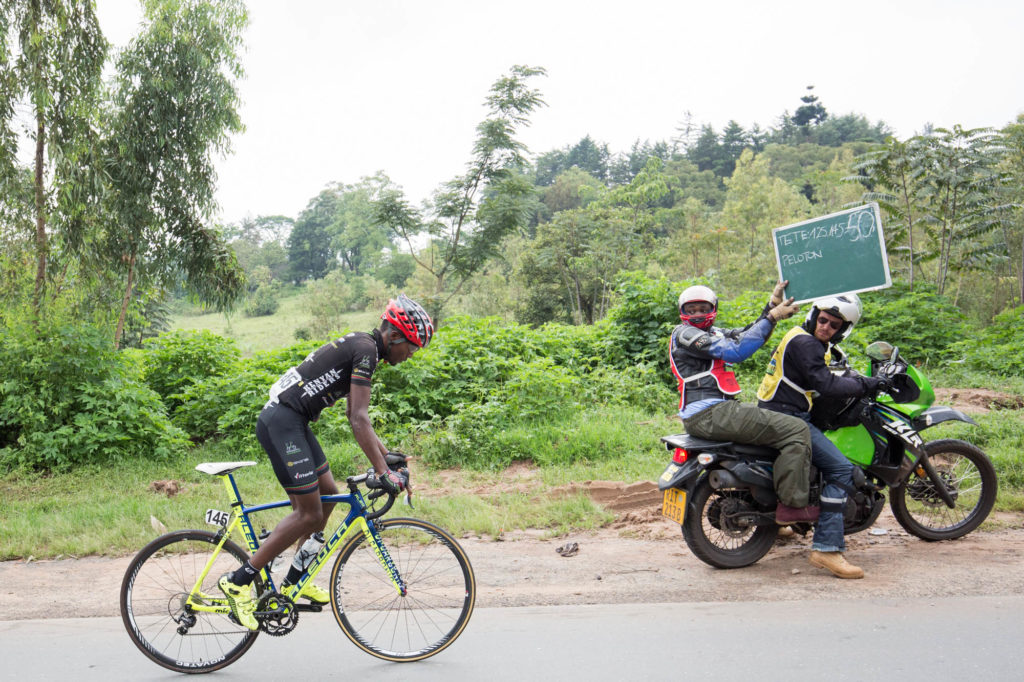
369, 479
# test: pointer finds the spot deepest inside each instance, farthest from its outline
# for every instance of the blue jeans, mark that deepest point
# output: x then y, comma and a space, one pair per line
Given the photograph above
838, 472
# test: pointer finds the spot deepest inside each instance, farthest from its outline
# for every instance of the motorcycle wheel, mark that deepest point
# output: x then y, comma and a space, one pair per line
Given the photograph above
710, 536
968, 476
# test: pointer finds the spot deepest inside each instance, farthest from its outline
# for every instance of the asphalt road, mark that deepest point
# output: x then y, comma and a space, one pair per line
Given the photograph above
907, 640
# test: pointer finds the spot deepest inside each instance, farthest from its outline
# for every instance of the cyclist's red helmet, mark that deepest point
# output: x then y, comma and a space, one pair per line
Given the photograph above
411, 319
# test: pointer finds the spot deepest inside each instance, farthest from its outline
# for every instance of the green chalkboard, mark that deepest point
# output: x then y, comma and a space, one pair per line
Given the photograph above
839, 253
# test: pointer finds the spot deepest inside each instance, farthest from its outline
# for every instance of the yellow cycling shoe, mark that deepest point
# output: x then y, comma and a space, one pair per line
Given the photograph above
240, 600
314, 593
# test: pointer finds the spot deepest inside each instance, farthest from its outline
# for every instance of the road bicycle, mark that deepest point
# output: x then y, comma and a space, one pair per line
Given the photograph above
402, 589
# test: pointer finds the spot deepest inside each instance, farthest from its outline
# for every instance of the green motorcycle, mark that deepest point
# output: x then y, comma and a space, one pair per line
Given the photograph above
722, 493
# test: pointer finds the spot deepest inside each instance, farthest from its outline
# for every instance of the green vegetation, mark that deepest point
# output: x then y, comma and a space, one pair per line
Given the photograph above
552, 279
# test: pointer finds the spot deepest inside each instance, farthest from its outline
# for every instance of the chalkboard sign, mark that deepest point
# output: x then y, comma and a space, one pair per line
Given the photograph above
839, 253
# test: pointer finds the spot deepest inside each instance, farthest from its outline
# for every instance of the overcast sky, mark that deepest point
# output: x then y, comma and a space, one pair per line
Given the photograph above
336, 90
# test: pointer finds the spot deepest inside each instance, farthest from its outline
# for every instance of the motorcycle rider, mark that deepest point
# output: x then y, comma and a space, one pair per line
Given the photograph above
700, 355
797, 374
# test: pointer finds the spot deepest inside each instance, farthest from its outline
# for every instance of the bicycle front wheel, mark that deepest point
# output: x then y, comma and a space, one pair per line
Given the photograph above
439, 598
158, 605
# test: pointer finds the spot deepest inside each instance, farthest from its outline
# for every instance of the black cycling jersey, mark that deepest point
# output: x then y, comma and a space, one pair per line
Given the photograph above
326, 375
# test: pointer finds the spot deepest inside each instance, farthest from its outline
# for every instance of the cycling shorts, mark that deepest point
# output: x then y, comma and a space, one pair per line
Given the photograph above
294, 452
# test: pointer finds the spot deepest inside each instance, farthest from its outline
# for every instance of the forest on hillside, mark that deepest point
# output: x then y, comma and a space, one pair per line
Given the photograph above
111, 222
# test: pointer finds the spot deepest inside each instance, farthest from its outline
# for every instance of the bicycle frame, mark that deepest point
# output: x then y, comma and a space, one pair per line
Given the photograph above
354, 522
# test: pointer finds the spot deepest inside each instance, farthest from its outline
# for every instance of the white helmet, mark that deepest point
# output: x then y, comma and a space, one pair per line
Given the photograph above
703, 294
845, 306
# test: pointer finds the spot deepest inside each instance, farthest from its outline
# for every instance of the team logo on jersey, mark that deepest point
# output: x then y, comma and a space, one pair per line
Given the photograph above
321, 383
292, 449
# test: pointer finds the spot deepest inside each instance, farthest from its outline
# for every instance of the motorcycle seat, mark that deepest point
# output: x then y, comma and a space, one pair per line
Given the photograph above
688, 442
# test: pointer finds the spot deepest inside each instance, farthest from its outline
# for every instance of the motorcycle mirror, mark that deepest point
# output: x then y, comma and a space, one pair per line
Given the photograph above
880, 351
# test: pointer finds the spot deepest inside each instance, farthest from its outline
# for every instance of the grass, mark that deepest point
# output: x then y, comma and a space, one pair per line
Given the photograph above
92, 511
253, 334
107, 510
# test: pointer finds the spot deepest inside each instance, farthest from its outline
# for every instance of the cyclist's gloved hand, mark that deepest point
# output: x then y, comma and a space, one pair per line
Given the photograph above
392, 482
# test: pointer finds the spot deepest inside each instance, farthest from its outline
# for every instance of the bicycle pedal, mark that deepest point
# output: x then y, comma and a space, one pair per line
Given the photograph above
315, 608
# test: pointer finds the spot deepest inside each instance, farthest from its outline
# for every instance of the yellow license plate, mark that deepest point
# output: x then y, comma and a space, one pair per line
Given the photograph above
673, 505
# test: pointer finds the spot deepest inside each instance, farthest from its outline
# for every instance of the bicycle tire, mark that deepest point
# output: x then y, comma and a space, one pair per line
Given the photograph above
153, 594
439, 599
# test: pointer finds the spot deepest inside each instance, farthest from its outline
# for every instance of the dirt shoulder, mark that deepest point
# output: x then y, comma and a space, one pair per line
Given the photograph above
641, 559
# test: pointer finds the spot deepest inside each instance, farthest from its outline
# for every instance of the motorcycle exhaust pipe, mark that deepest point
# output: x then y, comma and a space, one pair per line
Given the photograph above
720, 478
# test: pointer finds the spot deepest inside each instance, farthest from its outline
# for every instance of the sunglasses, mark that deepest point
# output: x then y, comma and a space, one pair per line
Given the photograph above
835, 324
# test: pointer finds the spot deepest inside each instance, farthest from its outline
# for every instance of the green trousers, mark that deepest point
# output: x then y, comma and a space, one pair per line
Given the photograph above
744, 423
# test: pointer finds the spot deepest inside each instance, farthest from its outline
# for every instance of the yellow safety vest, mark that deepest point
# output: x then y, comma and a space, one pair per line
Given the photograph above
776, 372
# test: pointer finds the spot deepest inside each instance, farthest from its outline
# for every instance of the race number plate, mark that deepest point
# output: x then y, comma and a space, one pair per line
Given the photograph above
673, 505
215, 517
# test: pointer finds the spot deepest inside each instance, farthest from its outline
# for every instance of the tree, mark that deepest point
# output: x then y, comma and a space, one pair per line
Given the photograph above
1013, 140
357, 239
687, 226
56, 65
581, 250
627, 166
175, 104
571, 189
960, 182
895, 177
260, 244
755, 203
734, 141
310, 255
707, 152
470, 214
811, 113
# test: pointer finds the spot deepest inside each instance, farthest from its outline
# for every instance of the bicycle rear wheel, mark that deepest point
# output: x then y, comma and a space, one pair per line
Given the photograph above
439, 598
155, 603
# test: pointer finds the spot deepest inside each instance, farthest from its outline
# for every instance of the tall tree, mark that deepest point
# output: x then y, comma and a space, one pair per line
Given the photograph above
470, 214
755, 203
310, 255
960, 182
357, 239
811, 112
1013, 140
895, 176
51, 54
175, 105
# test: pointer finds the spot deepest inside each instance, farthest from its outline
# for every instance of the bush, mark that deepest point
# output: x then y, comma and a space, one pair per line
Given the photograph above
921, 323
640, 323
227, 405
68, 398
262, 302
178, 359
997, 349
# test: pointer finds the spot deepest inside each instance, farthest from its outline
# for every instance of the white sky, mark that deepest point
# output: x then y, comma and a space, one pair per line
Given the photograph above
336, 89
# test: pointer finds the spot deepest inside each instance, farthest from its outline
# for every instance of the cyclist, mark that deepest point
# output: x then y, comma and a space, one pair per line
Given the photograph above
339, 369
699, 354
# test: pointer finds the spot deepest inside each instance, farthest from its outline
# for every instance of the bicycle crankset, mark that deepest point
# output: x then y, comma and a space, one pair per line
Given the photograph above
276, 614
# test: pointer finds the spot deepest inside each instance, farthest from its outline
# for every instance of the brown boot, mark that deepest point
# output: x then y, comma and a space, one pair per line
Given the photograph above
837, 563
786, 515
